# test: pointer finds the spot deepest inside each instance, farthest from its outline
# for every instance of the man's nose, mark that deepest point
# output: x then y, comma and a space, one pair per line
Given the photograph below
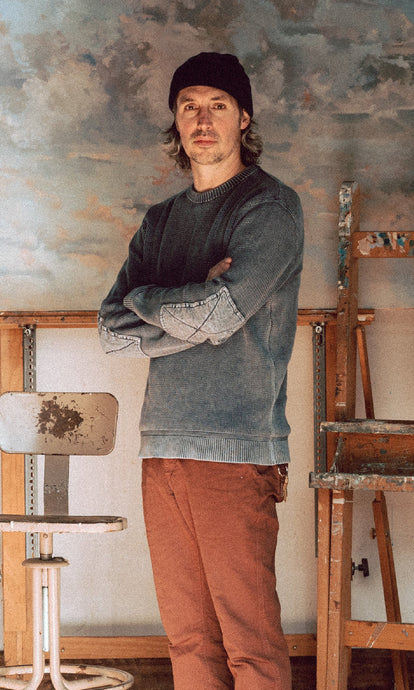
204, 117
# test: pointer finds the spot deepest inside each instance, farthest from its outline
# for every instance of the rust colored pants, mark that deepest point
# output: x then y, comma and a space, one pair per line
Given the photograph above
212, 530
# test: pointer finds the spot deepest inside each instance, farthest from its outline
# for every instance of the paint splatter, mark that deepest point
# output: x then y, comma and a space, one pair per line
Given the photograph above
58, 420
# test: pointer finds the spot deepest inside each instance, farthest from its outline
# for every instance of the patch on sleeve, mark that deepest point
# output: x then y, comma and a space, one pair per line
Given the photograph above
215, 319
120, 345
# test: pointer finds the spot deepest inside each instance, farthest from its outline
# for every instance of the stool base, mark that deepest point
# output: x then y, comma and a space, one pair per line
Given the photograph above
97, 677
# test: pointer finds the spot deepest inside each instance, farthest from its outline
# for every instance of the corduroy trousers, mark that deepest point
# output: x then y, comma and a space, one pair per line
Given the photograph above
212, 532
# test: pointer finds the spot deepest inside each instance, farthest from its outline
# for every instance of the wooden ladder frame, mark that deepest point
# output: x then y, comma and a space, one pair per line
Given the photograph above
382, 529
336, 632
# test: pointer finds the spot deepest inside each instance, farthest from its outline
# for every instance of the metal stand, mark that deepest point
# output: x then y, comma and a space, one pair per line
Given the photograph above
46, 636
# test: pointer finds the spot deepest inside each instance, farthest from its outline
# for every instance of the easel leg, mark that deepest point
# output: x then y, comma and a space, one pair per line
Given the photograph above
339, 655
389, 583
324, 540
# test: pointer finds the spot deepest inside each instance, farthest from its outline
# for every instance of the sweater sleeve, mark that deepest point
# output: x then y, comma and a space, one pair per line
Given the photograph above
266, 250
135, 338
121, 331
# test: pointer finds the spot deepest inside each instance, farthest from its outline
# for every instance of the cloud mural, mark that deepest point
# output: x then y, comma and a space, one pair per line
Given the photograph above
83, 101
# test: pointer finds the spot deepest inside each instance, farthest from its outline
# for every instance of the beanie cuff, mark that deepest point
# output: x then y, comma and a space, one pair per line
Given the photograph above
219, 70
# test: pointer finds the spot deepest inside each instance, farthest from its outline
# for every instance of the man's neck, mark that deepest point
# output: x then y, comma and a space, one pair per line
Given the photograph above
208, 177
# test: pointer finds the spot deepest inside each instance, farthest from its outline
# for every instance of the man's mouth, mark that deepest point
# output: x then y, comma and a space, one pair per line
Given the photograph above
204, 142
204, 139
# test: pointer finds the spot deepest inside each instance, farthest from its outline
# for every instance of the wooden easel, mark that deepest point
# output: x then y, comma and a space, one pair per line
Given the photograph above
370, 454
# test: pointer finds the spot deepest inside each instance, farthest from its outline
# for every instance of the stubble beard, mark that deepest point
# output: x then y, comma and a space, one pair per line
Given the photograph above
205, 157
201, 159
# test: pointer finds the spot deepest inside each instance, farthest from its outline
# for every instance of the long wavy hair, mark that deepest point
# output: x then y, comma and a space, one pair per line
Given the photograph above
251, 146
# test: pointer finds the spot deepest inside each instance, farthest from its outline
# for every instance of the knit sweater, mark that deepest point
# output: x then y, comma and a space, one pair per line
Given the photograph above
219, 349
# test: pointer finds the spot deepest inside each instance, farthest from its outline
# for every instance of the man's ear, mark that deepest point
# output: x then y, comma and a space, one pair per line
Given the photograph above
244, 120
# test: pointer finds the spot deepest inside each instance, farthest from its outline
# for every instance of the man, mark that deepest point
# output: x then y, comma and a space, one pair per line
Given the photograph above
209, 293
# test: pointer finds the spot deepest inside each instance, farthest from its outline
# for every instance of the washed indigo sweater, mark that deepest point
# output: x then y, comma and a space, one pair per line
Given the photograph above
219, 349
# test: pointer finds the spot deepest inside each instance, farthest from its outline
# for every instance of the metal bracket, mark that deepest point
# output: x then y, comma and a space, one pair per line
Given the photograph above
363, 567
30, 463
319, 395
319, 407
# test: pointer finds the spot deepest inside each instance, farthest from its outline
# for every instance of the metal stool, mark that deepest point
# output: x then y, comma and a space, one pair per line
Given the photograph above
57, 425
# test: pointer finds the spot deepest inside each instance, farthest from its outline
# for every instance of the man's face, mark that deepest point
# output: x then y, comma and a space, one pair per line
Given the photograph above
210, 124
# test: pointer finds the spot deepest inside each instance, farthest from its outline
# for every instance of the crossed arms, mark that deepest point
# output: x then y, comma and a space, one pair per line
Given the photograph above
152, 321
156, 341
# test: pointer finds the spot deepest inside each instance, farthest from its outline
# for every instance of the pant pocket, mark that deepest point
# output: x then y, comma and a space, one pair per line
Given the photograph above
282, 478
278, 476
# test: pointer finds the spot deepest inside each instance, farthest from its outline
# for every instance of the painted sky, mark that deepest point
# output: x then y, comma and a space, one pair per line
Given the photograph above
83, 100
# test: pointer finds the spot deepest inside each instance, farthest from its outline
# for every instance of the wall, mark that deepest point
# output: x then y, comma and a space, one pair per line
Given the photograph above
117, 594
83, 91
82, 103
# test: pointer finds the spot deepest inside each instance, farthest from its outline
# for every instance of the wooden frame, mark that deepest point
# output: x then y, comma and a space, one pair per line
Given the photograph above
17, 608
358, 466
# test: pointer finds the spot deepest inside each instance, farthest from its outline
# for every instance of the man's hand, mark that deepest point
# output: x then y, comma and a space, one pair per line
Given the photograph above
219, 268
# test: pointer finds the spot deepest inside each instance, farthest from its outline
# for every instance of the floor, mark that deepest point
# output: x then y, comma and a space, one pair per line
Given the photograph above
371, 670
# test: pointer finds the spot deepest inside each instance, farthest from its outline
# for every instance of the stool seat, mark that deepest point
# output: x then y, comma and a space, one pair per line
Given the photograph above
60, 524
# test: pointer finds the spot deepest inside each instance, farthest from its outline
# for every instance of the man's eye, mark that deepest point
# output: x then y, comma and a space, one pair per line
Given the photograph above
220, 106
189, 106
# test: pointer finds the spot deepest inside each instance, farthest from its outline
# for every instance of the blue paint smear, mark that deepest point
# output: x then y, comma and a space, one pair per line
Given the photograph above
87, 57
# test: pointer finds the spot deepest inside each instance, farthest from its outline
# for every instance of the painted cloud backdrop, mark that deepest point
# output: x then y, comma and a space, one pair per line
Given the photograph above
83, 91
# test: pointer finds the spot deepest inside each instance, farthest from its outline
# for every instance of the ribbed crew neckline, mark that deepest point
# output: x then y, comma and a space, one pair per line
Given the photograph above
216, 192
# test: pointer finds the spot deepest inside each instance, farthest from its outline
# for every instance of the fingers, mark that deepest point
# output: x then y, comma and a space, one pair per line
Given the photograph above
219, 268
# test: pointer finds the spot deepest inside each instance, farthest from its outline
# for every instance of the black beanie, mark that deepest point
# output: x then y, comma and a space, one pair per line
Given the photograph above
221, 70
